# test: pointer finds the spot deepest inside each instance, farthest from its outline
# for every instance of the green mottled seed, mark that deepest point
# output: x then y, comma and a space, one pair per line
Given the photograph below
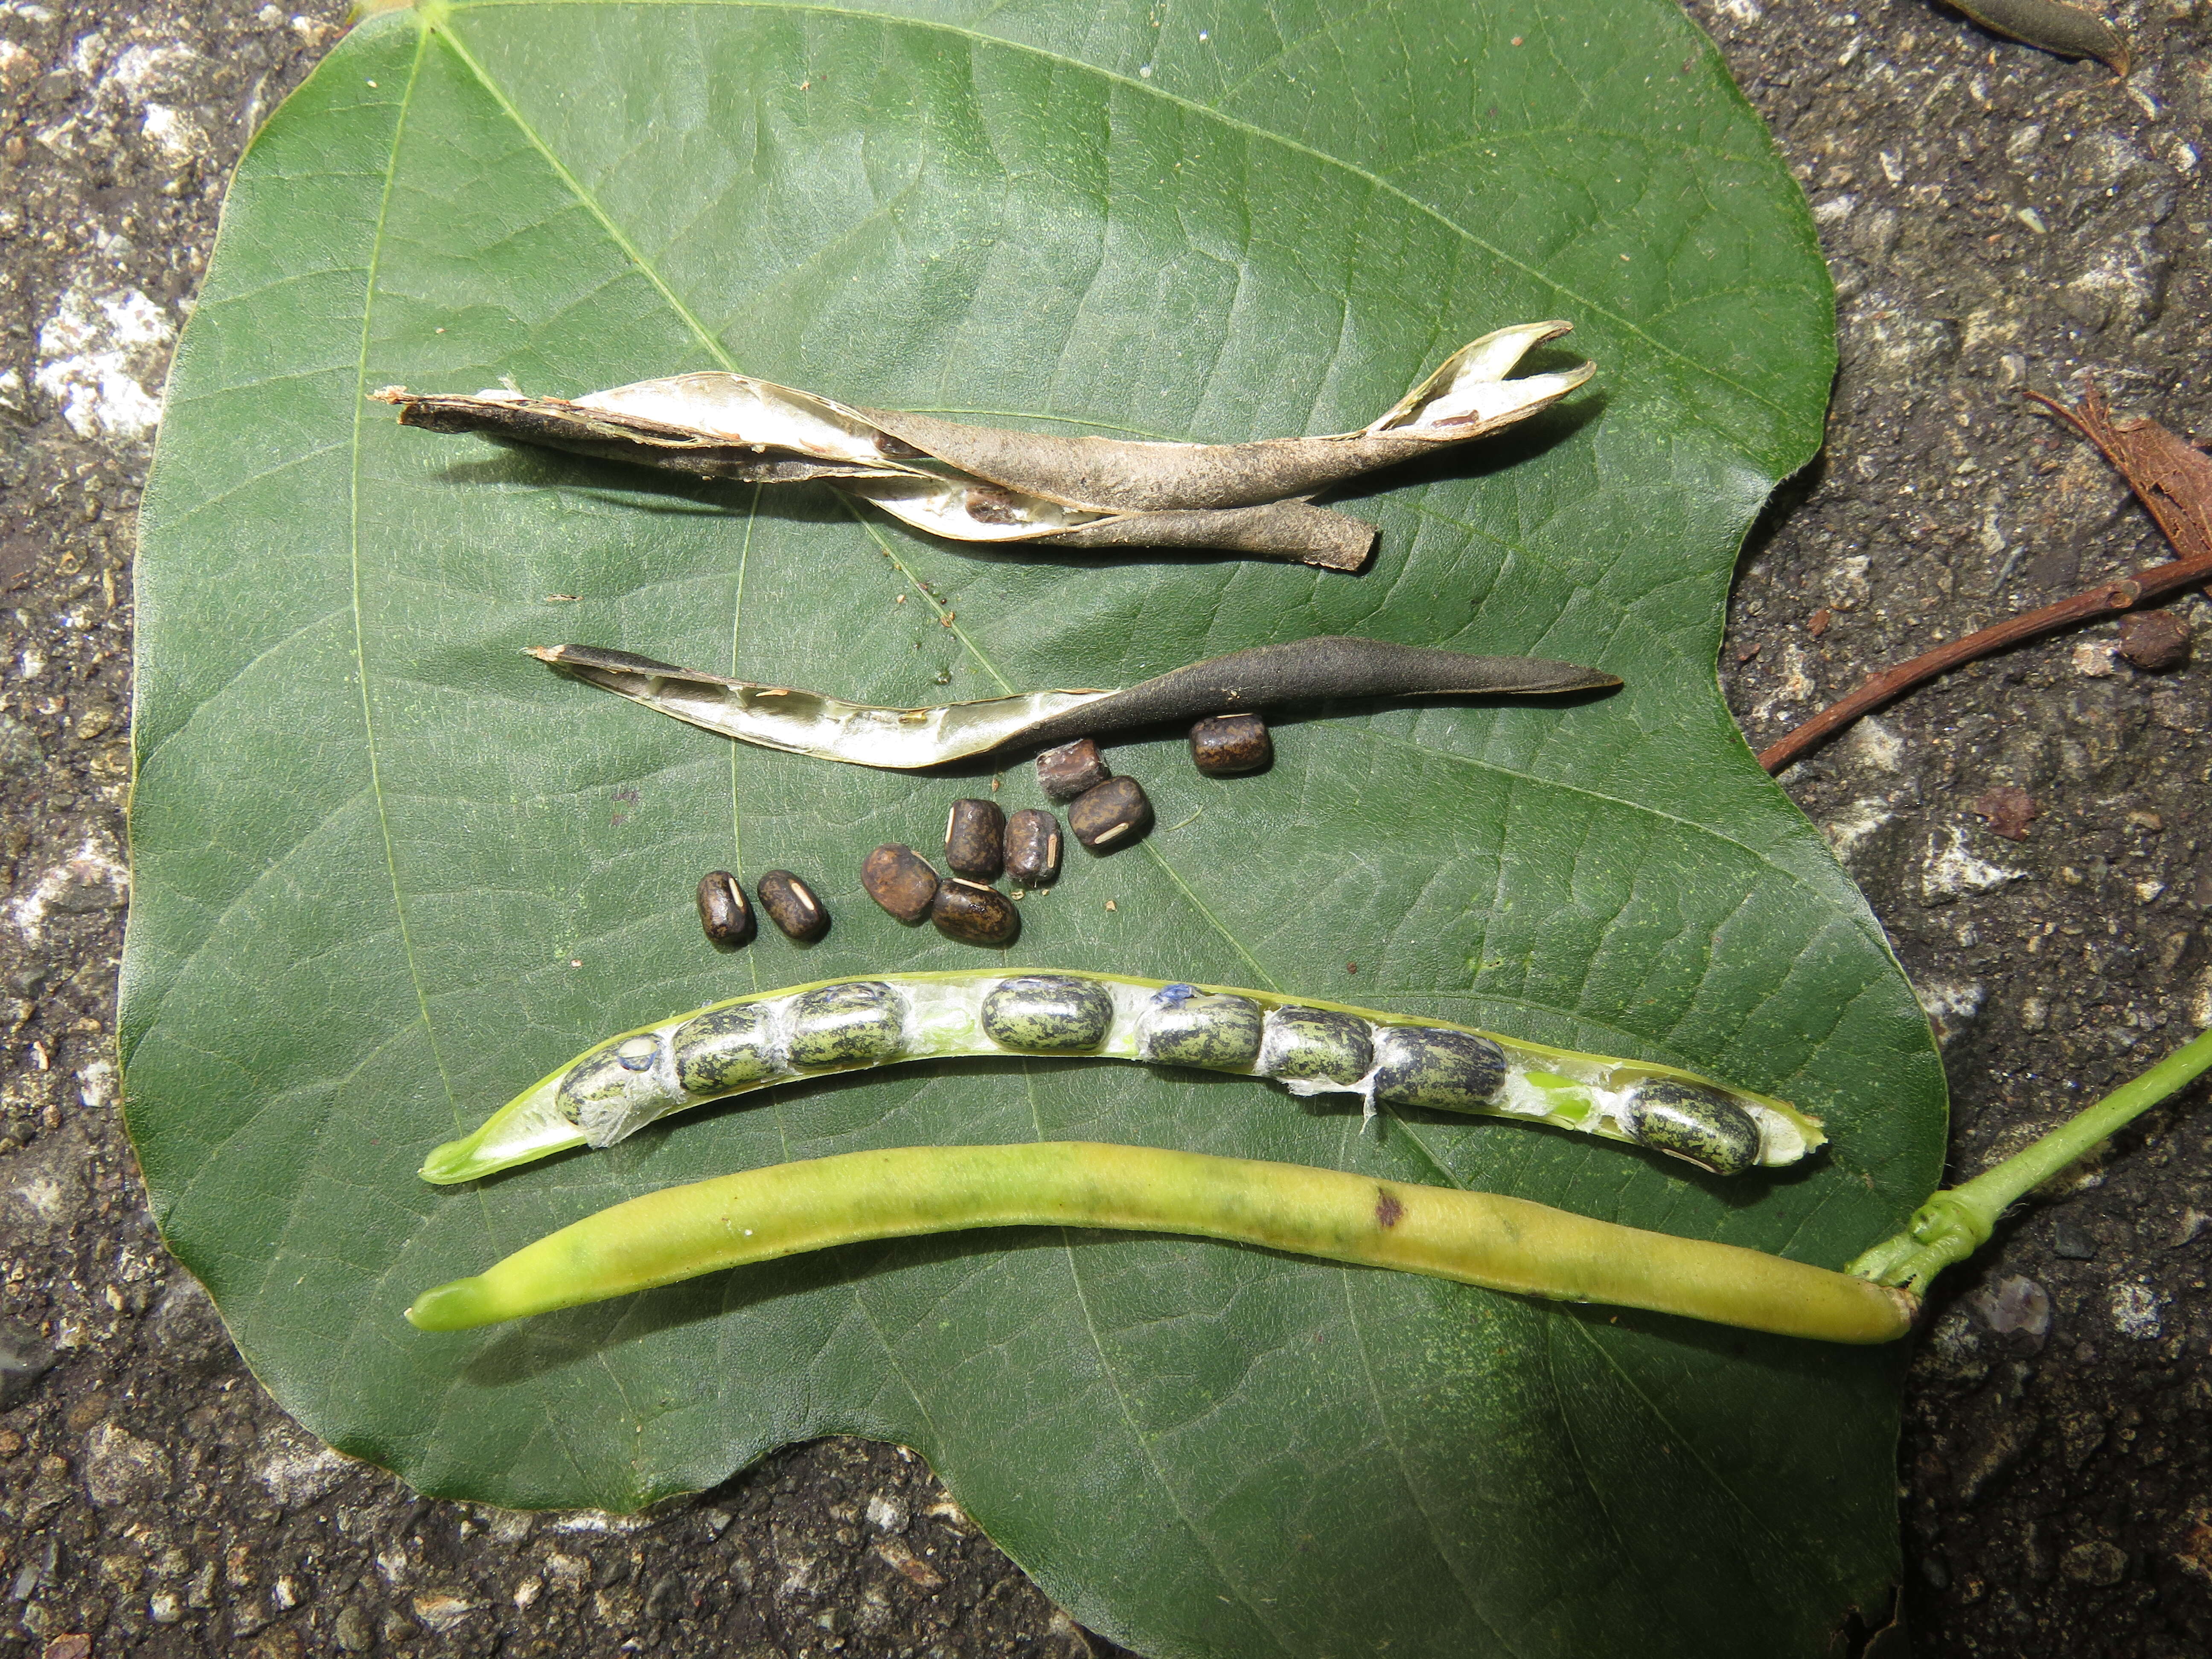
1445, 1071
859, 1023
1048, 1014
1221, 1033
612, 1085
1315, 1045
1697, 1124
726, 1048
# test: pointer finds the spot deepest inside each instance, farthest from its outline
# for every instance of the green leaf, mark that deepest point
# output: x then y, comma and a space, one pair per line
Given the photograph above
390, 870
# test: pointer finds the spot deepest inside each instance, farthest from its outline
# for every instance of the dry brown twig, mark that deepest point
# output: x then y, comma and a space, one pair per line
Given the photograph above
2169, 475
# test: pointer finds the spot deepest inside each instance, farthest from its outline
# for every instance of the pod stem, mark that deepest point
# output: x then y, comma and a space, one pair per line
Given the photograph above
1956, 1223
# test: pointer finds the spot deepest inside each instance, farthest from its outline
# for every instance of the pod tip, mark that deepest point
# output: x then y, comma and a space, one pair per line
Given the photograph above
453, 1162
454, 1306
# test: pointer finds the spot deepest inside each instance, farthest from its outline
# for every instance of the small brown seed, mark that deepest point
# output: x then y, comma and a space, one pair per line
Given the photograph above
1111, 816
976, 839
975, 914
2154, 641
1066, 772
1224, 745
1033, 847
901, 880
791, 906
723, 911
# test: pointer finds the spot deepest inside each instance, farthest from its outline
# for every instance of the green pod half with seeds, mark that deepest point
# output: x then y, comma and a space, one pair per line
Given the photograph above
1310, 1048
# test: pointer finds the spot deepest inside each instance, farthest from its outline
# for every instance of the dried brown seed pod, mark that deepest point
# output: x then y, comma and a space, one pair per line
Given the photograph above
1112, 816
1033, 847
975, 914
1223, 745
723, 911
901, 880
976, 839
791, 906
1068, 771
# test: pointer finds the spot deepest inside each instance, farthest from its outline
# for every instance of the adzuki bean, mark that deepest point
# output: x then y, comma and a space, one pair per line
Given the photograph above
1032, 847
975, 914
976, 839
724, 915
901, 880
1110, 816
1066, 772
791, 906
1224, 745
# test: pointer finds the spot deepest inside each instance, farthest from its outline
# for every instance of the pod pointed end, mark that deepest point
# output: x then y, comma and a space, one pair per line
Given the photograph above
459, 1305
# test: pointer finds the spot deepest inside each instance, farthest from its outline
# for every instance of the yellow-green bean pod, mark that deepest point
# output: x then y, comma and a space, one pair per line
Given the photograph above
1475, 1238
1310, 1047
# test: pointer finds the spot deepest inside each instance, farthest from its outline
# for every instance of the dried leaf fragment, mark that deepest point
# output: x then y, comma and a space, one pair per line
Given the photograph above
2008, 809
902, 739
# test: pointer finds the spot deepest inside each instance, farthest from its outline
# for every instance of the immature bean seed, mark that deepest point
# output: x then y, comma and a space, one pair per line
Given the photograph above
1447, 1071
1313, 1045
1032, 847
723, 911
1185, 1026
791, 906
860, 1022
901, 880
726, 1048
973, 914
613, 1086
1066, 772
1110, 816
1223, 745
1697, 1124
976, 839
1048, 1014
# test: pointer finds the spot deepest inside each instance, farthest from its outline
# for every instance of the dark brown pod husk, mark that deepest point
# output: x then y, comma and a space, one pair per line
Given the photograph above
791, 906
1066, 772
976, 839
724, 915
975, 914
1226, 746
2068, 31
1301, 670
1114, 815
901, 880
982, 483
1032, 847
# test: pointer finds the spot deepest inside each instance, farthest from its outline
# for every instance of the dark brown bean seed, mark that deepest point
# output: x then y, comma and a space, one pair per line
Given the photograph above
791, 906
1033, 847
1066, 772
976, 839
2154, 641
901, 880
1111, 816
975, 914
723, 911
1224, 745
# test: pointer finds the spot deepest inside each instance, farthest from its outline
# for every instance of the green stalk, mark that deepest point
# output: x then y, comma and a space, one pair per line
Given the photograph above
1475, 1238
1954, 1223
